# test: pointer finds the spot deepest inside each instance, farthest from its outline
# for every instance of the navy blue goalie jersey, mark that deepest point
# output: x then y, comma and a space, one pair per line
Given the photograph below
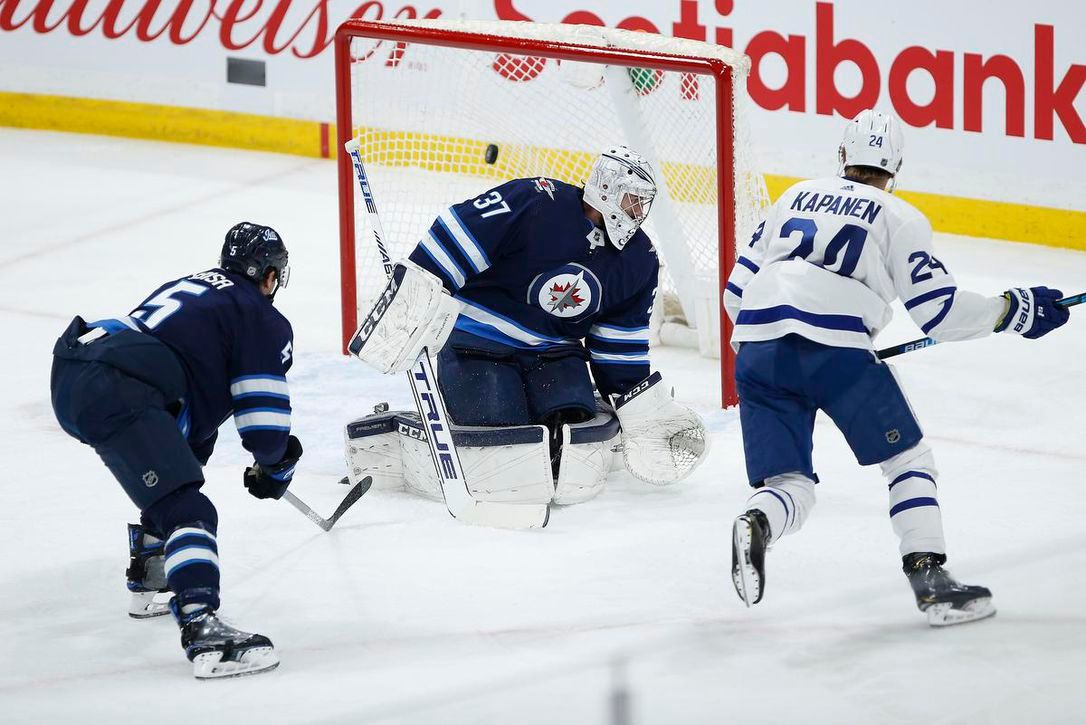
235, 348
532, 272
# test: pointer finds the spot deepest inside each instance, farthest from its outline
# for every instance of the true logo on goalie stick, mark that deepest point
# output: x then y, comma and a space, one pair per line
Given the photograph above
570, 292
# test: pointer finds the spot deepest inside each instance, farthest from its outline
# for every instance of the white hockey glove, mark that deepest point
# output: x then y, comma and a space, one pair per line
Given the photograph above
662, 441
414, 312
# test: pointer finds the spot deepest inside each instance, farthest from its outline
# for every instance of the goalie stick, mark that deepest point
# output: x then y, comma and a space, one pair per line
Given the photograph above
327, 523
928, 342
431, 406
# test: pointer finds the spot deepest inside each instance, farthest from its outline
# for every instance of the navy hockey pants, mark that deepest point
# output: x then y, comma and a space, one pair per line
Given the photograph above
113, 394
487, 383
783, 383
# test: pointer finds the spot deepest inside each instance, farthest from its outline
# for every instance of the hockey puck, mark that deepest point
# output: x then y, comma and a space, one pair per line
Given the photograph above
491, 154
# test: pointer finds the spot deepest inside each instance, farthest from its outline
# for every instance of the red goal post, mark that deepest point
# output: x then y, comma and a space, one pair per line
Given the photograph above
384, 69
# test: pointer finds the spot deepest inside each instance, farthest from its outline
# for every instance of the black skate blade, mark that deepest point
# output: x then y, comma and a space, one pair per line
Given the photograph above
744, 576
945, 614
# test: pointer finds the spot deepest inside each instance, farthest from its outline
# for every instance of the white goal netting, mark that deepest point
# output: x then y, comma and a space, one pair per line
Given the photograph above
441, 124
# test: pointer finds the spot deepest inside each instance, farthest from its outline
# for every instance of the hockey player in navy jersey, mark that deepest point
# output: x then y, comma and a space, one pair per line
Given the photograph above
807, 296
148, 392
532, 283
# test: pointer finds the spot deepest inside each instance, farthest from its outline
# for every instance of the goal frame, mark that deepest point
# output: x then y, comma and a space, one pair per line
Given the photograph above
714, 68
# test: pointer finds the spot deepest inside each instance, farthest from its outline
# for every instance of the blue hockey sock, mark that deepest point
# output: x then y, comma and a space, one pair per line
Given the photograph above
191, 549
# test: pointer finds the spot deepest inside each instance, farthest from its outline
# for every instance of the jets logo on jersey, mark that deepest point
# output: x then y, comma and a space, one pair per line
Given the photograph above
545, 185
569, 292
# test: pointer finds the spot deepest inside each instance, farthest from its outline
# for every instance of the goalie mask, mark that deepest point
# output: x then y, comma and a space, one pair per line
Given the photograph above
873, 139
621, 187
252, 250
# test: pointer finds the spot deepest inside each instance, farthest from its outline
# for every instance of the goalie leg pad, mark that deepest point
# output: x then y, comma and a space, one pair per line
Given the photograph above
372, 448
587, 456
504, 464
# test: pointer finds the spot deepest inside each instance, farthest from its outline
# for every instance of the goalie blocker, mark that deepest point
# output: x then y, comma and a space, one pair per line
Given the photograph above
661, 443
413, 313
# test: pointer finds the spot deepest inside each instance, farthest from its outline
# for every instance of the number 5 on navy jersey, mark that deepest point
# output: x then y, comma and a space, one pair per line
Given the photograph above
164, 303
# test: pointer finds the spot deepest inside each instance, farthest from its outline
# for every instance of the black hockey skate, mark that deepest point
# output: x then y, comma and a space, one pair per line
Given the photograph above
218, 650
146, 574
943, 599
750, 538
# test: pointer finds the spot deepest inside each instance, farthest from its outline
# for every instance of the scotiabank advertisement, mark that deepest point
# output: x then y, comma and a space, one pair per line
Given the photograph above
991, 92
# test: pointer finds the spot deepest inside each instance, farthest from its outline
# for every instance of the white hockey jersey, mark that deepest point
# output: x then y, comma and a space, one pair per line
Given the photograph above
828, 260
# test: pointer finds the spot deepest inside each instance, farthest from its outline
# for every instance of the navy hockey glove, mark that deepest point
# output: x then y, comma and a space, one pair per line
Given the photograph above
1033, 312
271, 481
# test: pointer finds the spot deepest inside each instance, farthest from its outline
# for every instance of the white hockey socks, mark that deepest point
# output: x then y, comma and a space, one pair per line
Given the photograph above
786, 501
914, 505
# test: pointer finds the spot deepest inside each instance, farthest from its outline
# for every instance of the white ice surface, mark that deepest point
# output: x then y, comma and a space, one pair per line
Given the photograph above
403, 615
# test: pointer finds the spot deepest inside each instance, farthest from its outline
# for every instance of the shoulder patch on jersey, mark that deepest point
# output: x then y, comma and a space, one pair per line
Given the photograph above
545, 185
570, 292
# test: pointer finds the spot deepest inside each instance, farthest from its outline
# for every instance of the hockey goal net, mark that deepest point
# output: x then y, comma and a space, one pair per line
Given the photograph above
445, 109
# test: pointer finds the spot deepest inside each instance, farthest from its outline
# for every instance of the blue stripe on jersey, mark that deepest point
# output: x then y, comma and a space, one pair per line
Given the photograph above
446, 241
494, 321
928, 296
432, 247
735, 290
910, 474
622, 335
768, 315
616, 346
939, 317
913, 503
460, 243
471, 237
114, 325
748, 264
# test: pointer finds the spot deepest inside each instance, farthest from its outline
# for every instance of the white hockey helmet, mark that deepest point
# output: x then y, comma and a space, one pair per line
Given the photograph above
620, 186
873, 139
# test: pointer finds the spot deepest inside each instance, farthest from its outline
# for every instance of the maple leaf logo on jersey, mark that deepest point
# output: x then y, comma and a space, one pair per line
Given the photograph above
565, 297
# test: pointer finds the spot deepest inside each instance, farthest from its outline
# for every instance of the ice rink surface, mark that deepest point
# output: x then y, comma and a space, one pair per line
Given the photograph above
403, 615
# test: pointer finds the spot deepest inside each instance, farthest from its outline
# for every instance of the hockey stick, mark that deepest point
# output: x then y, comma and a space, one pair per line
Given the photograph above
928, 342
327, 523
431, 406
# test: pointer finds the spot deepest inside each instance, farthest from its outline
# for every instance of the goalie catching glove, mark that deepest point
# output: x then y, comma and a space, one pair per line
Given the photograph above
662, 441
412, 314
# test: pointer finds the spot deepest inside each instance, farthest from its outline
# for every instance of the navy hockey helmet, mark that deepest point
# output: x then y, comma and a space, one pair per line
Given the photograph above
251, 250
